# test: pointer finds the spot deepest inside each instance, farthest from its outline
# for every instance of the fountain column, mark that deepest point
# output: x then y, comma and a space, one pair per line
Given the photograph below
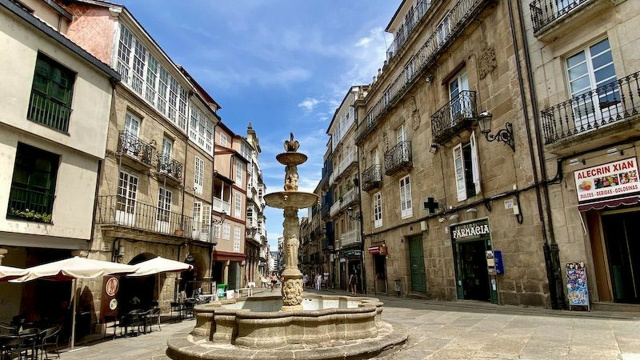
291, 200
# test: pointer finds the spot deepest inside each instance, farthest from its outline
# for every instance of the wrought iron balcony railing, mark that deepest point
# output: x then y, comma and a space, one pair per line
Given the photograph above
129, 144
349, 198
119, 211
457, 114
49, 112
411, 20
170, 167
398, 158
462, 13
545, 12
326, 207
350, 238
615, 101
30, 205
372, 177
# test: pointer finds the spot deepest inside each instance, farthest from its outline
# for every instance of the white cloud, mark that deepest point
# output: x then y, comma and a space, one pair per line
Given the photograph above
364, 42
309, 104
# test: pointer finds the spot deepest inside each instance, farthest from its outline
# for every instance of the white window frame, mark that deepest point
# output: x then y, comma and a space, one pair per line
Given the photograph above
239, 173
165, 196
406, 203
377, 210
237, 206
201, 130
205, 222
198, 176
237, 238
217, 230
197, 214
224, 141
226, 231
130, 119
459, 168
127, 194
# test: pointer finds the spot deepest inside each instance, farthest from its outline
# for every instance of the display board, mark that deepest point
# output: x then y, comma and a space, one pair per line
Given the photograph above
577, 289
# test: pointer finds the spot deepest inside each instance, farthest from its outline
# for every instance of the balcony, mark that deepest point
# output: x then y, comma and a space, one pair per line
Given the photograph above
49, 112
326, 209
220, 205
170, 168
546, 14
372, 178
398, 159
29, 205
328, 241
139, 152
350, 238
349, 198
412, 19
345, 164
592, 111
125, 213
335, 208
457, 115
461, 15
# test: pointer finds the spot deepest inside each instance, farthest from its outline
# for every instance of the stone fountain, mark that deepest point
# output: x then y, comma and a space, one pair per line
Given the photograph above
293, 325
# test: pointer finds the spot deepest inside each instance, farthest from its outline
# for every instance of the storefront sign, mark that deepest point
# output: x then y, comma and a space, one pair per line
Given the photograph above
607, 180
378, 249
471, 230
577, 291
109, 301
352, 253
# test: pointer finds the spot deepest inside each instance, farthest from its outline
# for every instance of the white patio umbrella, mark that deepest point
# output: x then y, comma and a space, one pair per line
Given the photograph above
73, 269
159, 265
8, 273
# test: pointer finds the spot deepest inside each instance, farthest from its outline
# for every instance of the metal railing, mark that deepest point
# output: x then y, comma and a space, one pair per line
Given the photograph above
170, 167
48, 112
30, 205
326, 207
372, 177
348, 160
455, 115
398, 158
129, 144
348, 198
350, 238
411, 20
334, 208
117, 210
615, 101
545, 12
462, 13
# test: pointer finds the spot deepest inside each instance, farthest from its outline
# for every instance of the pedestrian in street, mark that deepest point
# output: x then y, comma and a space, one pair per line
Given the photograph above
305, 279
352, 283
274, 280
318, 281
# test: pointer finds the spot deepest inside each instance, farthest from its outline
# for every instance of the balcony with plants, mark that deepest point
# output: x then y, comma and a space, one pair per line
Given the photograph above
398, 159
372, 178
29, 204
599, 115
462, 14
138, 154
454, 117
119, 212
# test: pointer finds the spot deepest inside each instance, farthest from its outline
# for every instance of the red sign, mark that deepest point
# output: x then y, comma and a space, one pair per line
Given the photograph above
109, 303
607, 180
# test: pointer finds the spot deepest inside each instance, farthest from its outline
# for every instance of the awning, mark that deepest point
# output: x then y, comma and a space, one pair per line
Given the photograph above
225, 255
611, 204
378, 250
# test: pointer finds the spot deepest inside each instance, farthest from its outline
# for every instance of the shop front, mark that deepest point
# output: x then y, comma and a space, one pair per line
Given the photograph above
352, 260
608, 198
379, 252
471, 242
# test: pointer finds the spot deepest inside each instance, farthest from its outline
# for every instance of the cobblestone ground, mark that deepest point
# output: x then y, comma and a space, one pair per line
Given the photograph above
441, 330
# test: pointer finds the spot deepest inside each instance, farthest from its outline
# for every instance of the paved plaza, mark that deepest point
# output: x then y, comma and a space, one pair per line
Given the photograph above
448, 330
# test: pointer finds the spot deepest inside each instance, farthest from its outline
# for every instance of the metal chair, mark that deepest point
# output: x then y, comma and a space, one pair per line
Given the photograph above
154, 318
49, 338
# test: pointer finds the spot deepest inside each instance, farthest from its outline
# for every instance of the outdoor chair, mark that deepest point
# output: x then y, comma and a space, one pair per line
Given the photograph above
22, 345
9, 346
6, 328
153, 318
133, 320
49, 338
176, 306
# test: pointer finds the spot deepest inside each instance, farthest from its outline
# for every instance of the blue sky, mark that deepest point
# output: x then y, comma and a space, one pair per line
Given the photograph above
283, 65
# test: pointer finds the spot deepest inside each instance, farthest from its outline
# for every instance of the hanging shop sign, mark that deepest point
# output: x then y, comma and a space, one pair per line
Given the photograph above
607, 180
378, 249
109, 301
471, 230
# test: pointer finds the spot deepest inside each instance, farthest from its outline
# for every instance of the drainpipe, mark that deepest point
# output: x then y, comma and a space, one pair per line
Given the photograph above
550, 248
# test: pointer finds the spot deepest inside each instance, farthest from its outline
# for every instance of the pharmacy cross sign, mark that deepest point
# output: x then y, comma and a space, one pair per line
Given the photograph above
430, 205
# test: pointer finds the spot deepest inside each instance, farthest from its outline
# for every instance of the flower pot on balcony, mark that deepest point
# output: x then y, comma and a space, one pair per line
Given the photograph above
178, 232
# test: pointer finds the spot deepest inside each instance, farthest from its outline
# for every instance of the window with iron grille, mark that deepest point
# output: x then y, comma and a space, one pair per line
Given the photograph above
51, 93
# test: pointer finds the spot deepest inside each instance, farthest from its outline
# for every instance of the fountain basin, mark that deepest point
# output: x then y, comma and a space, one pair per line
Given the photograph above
290, 199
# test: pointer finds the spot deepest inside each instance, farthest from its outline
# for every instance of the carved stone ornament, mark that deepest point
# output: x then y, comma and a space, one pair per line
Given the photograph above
292, 292
385, 141
487, 61
415, 114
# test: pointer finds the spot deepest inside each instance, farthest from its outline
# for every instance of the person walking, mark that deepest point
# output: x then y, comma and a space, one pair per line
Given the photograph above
352, 283
318, 281
305, 280
274, 280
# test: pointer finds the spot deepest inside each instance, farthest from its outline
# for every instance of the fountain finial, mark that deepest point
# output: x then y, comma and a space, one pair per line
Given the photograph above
291, 145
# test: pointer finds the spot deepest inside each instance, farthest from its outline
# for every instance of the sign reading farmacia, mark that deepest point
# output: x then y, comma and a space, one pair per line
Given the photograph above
470, 230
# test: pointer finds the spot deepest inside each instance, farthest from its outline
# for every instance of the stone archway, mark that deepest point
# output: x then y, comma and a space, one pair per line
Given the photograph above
197, 277
138, 292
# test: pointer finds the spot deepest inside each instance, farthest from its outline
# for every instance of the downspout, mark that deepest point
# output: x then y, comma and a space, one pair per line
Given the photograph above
552, 246
550, 268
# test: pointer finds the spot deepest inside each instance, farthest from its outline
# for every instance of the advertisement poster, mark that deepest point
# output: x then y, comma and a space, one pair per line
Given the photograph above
109, 304
612, 179
577, 291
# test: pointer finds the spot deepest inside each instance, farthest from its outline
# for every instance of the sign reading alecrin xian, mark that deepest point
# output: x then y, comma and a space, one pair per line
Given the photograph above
469, 231
607, 180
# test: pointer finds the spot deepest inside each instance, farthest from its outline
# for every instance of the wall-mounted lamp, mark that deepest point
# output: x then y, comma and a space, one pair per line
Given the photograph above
429, 79
614, 151
223, 216
433, 148
355, 217
576, 161
505, 135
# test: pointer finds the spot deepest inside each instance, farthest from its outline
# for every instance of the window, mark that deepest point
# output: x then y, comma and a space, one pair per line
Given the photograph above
238, 205
465, 160
406, 205
127, 191
460, 100
197, 214
132, 124
239, 173
377, 210
147, 77
587, 70
51, 92
203, 220
401, 134
250, 219
237, 238
164, 205
246, 151
198, 180
223, 140
226, 231
167, 146
216, 231
33, 184
201, 130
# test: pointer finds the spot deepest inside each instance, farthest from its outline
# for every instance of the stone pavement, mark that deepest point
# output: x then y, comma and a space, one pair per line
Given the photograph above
450, 330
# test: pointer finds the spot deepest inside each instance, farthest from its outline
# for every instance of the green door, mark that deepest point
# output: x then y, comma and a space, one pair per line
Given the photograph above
416, 262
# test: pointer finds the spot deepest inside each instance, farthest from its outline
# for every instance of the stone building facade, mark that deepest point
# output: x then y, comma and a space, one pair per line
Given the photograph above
586, 91
444, 194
